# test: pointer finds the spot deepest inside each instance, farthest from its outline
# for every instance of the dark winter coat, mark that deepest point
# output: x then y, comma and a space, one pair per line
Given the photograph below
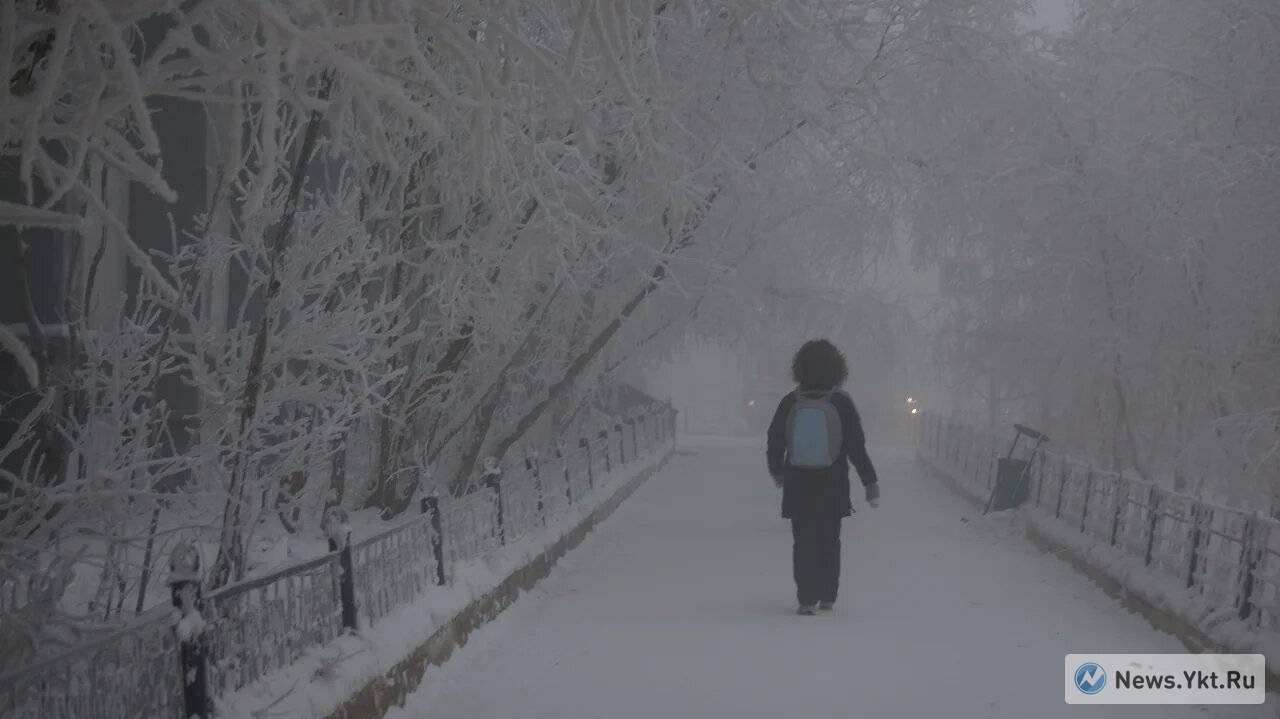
820, 493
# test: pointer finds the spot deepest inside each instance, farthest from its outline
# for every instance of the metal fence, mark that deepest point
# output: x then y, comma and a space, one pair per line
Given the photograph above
1229, 557
262, 624
134, 672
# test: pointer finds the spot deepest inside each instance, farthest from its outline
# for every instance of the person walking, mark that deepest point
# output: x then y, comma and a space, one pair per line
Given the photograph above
814, 436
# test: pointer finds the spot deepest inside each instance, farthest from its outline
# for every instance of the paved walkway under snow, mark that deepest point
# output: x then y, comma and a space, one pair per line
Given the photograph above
681, 604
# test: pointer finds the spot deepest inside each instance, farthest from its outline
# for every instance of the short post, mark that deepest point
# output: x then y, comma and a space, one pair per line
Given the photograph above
1088, 493
585, 444
568, 483
337, 527
1253, 545
1120, 497
622, 443
603, 435
1153, 506
187, 596
1062, 489
493, 480
431, 506
1193, 541
535, 471
1040, 482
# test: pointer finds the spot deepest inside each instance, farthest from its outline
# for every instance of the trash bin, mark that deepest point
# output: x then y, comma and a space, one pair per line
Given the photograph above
1013, 475
1012, 479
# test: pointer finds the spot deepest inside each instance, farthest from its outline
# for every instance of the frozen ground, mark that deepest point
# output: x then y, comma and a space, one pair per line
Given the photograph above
681, 604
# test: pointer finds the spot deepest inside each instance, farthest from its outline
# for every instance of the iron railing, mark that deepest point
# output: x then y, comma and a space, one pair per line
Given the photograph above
1228, 557
131, 672
262, 624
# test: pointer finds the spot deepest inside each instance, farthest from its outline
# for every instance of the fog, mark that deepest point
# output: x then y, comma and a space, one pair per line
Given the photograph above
571, 357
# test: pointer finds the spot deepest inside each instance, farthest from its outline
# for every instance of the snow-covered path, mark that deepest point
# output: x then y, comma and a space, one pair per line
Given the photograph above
680, 605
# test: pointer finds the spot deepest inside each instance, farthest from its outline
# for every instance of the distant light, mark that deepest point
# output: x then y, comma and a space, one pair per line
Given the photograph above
751, 403
915, 410
911, 400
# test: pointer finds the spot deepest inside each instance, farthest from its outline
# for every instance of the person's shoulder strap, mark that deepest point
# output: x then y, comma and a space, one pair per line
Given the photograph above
844, 404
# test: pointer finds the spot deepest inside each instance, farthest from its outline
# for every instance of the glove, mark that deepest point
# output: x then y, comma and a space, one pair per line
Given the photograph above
873, 494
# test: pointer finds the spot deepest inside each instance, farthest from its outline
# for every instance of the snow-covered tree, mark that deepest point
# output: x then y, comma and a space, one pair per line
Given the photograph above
327, 252
1116, 184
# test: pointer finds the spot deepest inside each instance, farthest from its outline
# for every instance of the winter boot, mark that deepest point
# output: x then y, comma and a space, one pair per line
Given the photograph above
805, 610
825, 606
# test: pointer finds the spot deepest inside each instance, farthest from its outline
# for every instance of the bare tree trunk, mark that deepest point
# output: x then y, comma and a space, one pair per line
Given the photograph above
582, 361
484, 420
230, 562
677, 242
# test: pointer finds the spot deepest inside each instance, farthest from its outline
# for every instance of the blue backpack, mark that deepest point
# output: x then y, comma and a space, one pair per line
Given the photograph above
814, 435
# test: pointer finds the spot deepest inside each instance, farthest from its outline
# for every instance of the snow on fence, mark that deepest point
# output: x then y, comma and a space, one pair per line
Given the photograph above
134, 672
262, 624
1227, 558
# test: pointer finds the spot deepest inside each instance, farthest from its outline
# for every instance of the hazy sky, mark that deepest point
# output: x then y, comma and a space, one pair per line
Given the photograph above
1052, 14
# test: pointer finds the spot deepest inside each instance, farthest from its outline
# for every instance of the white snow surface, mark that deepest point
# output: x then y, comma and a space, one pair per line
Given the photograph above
681, 605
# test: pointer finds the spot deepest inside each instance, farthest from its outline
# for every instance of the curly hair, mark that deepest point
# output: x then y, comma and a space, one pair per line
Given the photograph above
818, 365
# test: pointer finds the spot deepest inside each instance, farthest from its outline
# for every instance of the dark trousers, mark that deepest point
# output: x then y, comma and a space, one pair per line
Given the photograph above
815, 557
